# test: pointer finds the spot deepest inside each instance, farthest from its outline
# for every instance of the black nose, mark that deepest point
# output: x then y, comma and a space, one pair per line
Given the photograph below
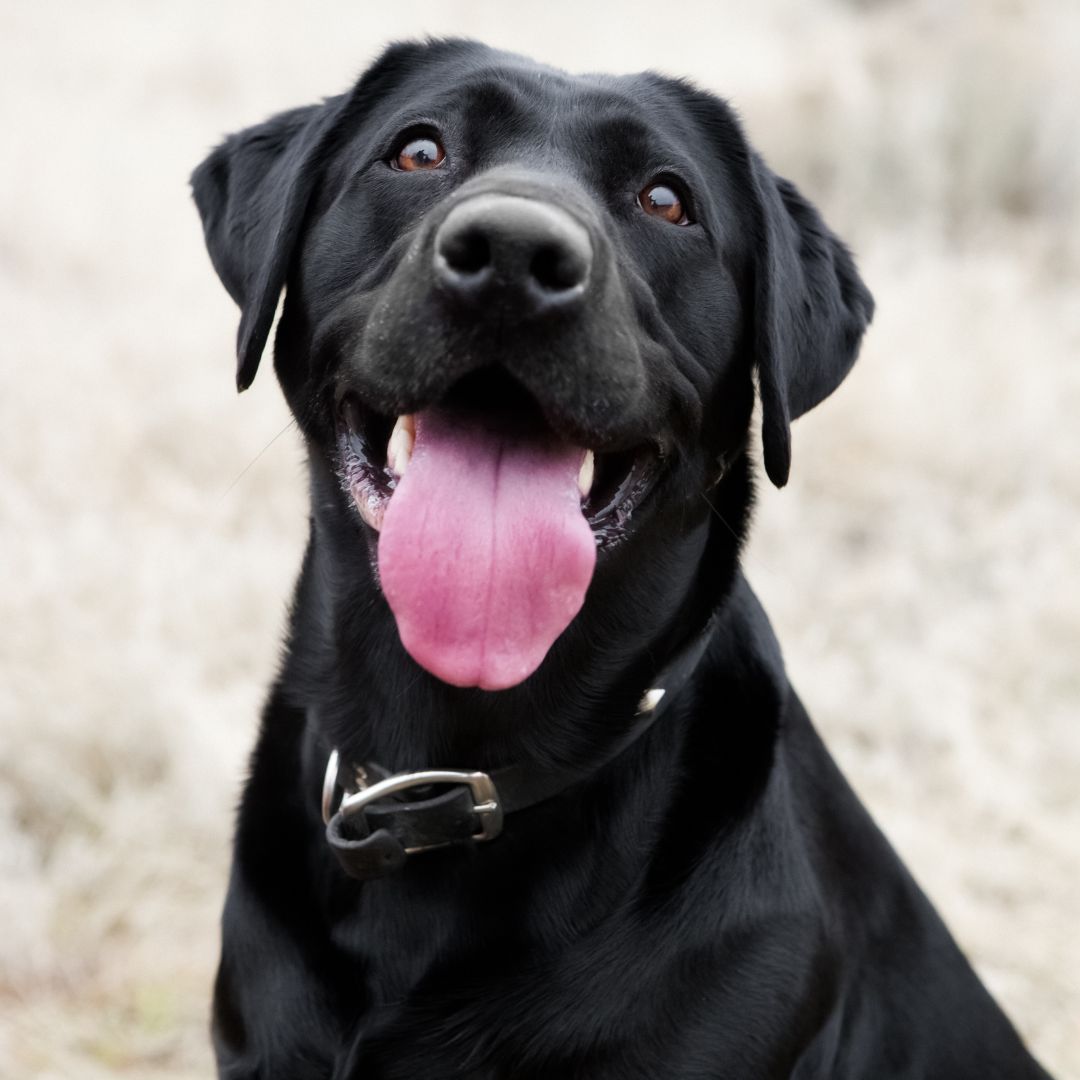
515, 250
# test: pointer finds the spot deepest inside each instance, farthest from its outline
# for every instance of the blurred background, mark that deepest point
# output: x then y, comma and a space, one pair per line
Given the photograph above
921, 567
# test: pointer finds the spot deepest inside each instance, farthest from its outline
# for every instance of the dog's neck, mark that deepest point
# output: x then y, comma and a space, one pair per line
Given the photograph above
366, 697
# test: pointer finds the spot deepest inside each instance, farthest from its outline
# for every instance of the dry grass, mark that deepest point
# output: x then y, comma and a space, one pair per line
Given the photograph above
921, 568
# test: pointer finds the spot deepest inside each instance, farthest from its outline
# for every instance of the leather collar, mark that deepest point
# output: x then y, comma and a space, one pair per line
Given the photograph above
373, 827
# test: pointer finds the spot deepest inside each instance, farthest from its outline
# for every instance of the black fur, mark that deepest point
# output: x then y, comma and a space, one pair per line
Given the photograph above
715, 902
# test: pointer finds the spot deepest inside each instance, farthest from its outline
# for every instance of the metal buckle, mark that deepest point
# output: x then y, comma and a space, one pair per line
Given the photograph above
330, 784
485, 798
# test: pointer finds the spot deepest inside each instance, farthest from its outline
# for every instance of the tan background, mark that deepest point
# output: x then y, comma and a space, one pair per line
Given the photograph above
921, 567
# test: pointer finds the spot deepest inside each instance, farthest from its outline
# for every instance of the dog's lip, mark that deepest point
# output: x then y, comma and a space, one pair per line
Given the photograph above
621, 480
362, 465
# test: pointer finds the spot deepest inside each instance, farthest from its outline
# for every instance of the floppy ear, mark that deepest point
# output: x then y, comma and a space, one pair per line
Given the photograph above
811, 308
252, 193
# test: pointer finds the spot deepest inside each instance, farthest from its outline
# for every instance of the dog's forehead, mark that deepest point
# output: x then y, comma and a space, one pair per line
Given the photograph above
505, 97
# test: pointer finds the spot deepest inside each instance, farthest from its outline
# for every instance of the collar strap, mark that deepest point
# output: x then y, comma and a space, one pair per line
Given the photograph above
373, 829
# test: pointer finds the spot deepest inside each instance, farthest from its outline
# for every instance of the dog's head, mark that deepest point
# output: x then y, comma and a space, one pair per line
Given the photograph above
523, 315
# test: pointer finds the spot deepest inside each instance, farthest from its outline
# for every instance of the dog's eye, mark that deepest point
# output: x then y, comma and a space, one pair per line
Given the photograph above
423, 152
661, 201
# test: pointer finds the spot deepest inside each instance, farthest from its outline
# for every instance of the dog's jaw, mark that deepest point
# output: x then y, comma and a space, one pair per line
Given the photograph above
487, 530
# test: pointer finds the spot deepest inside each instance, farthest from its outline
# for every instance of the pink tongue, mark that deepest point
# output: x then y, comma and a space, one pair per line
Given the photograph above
484, 554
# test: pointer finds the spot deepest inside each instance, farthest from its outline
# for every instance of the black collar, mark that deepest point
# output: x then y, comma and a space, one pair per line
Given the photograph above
373, 829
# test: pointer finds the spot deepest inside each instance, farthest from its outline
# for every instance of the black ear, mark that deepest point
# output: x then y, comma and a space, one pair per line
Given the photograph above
811, 308
252, 193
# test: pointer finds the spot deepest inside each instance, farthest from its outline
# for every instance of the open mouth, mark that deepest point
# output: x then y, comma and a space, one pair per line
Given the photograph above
375, 451
487, 523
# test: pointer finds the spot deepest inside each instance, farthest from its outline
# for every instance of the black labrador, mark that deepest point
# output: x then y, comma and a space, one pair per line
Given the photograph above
578, 823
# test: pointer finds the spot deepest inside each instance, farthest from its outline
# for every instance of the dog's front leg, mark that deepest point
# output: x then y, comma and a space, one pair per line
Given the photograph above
278, 1012
275, 1014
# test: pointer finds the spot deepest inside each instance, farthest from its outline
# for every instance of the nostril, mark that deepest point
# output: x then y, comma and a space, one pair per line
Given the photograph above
466, 250
558, 267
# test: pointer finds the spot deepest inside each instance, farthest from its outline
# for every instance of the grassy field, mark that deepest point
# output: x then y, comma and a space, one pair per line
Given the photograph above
922, 568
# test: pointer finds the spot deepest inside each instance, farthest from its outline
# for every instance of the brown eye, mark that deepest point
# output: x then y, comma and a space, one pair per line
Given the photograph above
661, 201
420, 153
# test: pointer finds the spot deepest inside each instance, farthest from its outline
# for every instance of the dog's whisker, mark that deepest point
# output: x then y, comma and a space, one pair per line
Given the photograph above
254, 461
720, 517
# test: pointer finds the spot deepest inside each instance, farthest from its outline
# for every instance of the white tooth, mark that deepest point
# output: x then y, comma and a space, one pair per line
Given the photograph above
585, 477
399, 449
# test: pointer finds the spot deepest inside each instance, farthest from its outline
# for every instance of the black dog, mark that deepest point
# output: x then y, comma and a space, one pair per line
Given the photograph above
523, 316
